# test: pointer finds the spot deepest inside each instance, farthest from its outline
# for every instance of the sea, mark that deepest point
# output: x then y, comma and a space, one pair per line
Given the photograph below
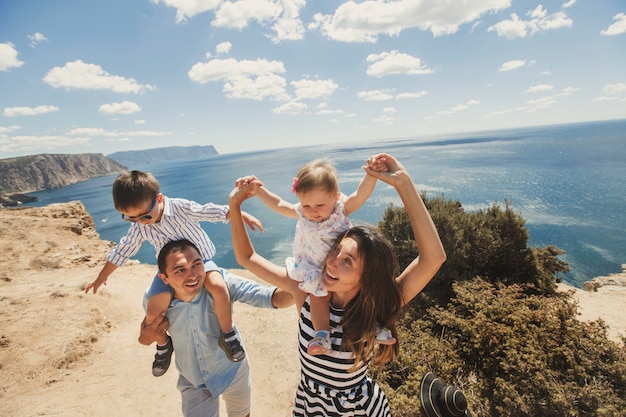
567, 181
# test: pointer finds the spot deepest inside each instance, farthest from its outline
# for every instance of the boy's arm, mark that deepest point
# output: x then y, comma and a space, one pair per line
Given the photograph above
106, 270
362, 193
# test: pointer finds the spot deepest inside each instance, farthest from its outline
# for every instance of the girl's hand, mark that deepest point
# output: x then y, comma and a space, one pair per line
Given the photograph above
377, 163
244, 181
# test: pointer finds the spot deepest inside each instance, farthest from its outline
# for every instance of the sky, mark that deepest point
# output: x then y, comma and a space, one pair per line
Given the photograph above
102, 76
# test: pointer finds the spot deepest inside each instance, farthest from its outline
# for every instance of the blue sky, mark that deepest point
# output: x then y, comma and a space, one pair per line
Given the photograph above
112, 75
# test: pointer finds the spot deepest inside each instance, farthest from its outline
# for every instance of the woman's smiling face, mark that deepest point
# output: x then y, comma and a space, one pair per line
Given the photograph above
343, 270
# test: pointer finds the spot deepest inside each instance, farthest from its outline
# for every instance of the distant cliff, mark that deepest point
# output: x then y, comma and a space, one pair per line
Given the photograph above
46, 171
173, 153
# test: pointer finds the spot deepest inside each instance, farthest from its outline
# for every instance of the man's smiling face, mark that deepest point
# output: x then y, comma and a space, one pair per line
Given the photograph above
184, 273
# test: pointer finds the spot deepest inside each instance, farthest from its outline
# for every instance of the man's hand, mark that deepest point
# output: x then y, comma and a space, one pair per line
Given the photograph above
155, 331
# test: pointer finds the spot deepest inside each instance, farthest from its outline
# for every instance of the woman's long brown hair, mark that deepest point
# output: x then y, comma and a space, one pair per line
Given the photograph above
378, 302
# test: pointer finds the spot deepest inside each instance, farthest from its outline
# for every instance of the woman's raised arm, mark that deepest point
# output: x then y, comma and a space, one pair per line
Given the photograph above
431, 253
245, 254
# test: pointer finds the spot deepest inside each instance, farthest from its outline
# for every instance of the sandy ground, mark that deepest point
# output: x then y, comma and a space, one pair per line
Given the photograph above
65, 353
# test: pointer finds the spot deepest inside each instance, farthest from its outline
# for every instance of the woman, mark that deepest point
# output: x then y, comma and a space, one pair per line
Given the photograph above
360, 273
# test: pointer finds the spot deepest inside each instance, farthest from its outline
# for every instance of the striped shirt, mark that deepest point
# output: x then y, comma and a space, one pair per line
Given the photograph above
327, 387
180, 220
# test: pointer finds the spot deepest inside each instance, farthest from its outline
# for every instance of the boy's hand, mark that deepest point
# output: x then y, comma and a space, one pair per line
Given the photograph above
95, 285
252, 222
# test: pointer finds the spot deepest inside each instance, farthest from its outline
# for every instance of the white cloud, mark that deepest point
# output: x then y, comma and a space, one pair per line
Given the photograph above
394, 62
280, 16
616, 28
38, 143
312, 89
540, 88
539, 21
375, 95
223, 48
237, 14
243, 79
258, 88
9, 129
570, 3
325, 112
512, 65
125, 107
497, 113
419, 94
36, 38
458, 108
539, 104
568, 91
8, 57
189, 8
367, 20
384, 119
28, 111
292, 107
80, 75
96, 131
618, 88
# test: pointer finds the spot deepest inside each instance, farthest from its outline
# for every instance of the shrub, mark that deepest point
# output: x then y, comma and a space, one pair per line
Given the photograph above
492, 324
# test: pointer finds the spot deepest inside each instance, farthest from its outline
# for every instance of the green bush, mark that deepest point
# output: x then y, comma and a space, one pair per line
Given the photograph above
492, 324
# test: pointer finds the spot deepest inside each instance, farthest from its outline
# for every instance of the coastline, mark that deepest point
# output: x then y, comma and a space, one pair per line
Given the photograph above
64, 352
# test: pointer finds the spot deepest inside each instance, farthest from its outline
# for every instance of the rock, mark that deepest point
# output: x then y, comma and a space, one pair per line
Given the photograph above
618, 280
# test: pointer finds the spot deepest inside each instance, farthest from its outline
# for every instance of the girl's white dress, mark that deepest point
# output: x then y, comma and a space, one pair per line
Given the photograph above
311, 244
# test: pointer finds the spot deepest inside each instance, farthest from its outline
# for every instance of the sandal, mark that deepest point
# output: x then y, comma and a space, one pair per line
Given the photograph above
384, 337
320, 344
232, 348
162, 360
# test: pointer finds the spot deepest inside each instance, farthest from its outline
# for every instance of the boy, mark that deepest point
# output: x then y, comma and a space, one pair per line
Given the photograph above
159, 219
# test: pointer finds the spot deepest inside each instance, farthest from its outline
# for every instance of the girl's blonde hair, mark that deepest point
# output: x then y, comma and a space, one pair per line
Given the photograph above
314, 174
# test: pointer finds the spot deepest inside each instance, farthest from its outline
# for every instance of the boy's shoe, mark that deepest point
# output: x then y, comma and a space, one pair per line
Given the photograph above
233, 349
162, 360
384, 337
320, 344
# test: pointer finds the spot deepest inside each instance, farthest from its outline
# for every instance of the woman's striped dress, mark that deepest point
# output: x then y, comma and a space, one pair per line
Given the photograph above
326, 387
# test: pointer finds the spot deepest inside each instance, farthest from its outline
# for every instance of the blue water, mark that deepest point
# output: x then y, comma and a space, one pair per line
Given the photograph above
567, 181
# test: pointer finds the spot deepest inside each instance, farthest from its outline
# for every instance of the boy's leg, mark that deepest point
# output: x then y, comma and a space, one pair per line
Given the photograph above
159, 298
215, 284
320, 316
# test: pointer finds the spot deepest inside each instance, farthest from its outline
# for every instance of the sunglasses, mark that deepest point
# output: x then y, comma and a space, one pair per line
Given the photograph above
146, 216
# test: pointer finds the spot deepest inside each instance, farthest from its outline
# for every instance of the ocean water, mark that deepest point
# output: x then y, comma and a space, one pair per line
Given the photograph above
567, 181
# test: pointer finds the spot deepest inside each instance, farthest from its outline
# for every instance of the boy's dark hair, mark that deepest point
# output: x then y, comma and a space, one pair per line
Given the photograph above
133, 188
173, 246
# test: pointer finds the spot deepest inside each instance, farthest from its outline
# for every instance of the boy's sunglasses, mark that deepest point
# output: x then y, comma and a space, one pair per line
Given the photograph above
146, 216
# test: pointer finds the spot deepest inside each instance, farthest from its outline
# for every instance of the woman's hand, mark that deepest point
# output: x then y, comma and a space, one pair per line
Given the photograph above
245, 188
387, 168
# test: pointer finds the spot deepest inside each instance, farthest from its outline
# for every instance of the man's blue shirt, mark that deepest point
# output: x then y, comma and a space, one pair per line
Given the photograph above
195, 332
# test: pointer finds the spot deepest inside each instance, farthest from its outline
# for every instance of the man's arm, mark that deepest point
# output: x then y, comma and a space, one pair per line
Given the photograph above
282, 299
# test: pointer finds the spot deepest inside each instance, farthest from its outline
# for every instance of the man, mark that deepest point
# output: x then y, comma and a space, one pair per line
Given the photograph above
205, 372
